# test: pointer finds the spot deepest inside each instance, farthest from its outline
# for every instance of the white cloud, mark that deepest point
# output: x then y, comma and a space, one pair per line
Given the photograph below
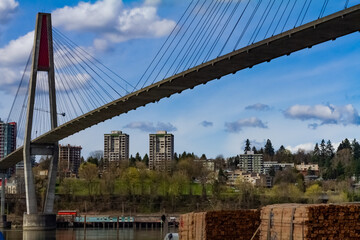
151, 127
237, 126
13, 59
326, 114
17, 51
112, 22
7, 10
307, 147
86, 16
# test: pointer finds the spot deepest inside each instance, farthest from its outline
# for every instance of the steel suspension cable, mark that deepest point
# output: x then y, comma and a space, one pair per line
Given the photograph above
220, 34
306, 12
346, 4
208, 34
282, 15
68, 74
235, 26
171, 43
71, 72
91, 59
272, 21
287, 19
260, 23
77, 63
19, 87
248, 24
178, 42
323, 9
192, 42
163, 45
302, 9
99, 96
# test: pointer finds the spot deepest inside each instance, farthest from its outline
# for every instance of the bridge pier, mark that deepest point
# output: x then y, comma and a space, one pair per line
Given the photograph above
39, 221
43, 60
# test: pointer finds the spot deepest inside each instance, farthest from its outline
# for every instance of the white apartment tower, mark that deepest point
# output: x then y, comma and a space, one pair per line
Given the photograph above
161, 151
116, 147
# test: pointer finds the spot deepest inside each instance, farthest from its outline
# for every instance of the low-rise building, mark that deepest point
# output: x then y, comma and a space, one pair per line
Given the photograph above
308, 169
209, 164
256, 179
276, 166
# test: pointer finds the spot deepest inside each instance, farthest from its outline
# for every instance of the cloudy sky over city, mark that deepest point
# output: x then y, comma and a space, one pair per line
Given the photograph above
294, 100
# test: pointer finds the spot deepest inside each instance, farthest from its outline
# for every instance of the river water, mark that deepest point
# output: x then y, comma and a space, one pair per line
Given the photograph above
80, 234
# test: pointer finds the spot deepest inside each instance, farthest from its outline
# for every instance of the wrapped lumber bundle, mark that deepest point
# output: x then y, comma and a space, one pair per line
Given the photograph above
310, 222
219, 225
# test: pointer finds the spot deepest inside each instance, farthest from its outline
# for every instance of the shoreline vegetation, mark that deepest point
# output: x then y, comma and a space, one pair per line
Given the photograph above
132, 188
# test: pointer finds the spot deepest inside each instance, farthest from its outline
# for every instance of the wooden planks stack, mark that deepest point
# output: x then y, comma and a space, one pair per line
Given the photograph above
219, 225
308, 222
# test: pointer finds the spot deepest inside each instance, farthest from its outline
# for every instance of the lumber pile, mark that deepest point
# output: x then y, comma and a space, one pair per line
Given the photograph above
309, 222
219, 225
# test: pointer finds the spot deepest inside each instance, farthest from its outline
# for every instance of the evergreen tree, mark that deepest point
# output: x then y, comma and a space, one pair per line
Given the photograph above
322, 148
316, 154
345, 144
146, 159
269, 150
261, 151
203, 157
254, 150
330, 149
281, 149
340, 170
247, 146
316, 150
356, 157
176, 158
137, 157
222, 177
132, 161
93, 160
329, 153
356, 149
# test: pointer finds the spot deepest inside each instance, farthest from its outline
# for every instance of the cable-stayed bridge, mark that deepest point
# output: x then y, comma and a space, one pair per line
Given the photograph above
212, 39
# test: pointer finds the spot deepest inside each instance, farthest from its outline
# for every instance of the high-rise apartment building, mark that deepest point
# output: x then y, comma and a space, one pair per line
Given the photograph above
251, 162
116, 147
161, 151
69, 159
8, 133
7, 138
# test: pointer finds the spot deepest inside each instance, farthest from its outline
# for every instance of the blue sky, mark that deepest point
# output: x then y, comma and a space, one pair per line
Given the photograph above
295, 100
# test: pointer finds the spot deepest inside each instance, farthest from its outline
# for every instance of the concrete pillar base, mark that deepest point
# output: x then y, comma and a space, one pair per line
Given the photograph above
39, 221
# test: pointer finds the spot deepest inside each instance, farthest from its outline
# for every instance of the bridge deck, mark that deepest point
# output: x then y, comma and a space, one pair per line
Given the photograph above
316, 32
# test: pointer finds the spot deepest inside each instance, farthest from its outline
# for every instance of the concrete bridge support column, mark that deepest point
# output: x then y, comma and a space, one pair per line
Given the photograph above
3, 220
50, 191
42, 60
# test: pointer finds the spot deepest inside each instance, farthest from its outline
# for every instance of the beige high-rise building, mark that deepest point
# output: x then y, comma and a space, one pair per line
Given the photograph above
253, 163
161, 151
69, 159
116, 147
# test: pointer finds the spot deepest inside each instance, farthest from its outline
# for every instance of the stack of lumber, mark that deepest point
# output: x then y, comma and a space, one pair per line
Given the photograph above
219, 225
308, 222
